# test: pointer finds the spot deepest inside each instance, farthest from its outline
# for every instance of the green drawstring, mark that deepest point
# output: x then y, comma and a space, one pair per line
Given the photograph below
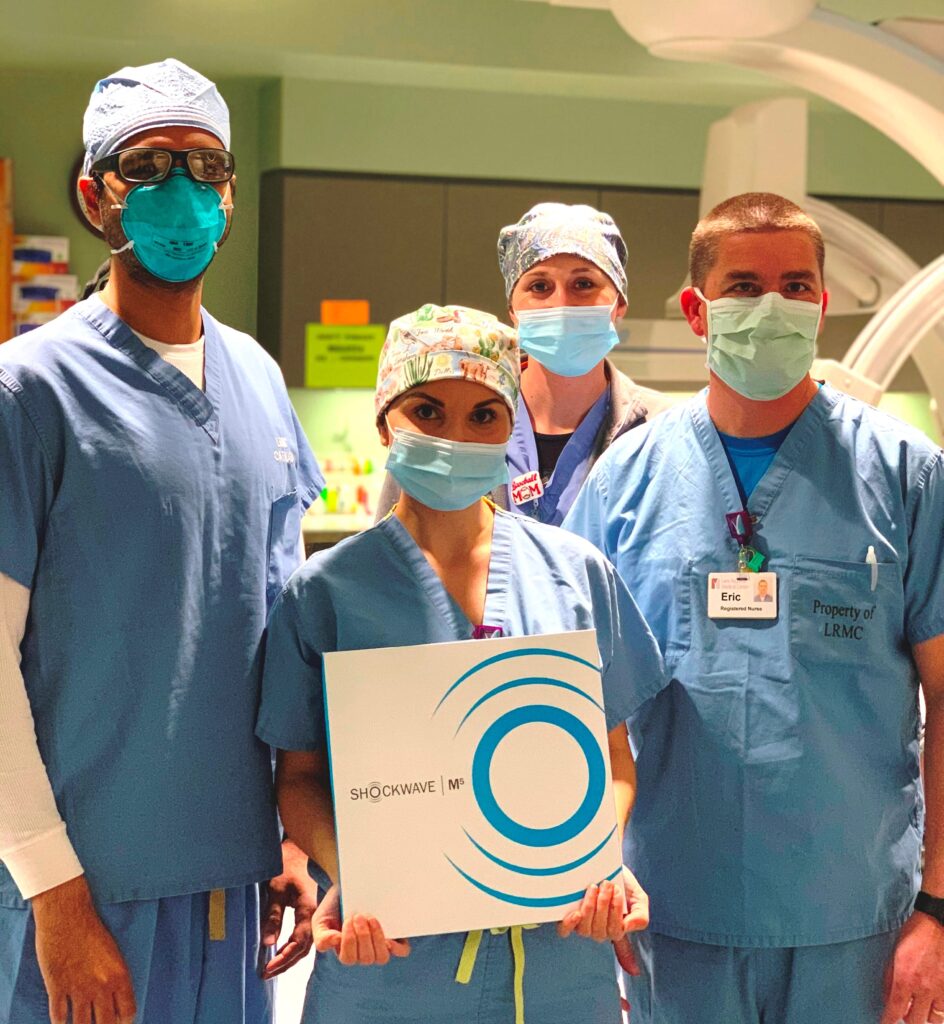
470, 951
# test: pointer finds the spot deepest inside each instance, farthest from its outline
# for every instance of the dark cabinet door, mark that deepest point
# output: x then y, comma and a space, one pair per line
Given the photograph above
344, 237
475, 213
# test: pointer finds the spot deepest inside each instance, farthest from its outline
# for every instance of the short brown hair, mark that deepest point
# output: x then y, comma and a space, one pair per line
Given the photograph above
752, 212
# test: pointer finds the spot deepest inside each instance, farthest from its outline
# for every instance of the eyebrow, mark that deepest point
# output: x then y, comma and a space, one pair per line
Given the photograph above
435, 401
541, 272
428, 398
789, 275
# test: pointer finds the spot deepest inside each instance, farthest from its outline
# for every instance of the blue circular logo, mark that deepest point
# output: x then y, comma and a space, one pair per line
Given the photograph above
482, 786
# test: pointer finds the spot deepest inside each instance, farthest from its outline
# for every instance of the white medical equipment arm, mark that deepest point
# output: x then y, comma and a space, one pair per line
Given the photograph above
910, 322
904, 326
889, 83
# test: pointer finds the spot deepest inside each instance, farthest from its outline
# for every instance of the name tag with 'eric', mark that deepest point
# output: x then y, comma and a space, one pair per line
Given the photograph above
735, 595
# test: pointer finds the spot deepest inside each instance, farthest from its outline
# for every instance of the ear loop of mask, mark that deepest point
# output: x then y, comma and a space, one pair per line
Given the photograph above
707, 333
118, 204
225, 207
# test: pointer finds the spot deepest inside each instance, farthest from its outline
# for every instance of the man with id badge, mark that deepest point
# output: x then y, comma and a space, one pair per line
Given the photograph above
786, 544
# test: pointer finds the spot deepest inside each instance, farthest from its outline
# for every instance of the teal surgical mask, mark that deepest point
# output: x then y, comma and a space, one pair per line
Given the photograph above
442, 474
761, 347
567, 340
173, 226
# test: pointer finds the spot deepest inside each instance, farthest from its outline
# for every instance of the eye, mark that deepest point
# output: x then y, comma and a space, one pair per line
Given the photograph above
485, 416
585, 284
797, 288
425, 411
743, 288
539, 287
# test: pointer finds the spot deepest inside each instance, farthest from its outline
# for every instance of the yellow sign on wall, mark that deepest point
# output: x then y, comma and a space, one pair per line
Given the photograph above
342, 357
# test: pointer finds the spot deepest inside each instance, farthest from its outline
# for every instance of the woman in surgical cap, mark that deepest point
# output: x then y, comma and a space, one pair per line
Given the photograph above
448, 565
565, 282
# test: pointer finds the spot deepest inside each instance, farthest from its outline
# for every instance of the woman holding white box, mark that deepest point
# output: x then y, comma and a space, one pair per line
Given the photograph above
447, 565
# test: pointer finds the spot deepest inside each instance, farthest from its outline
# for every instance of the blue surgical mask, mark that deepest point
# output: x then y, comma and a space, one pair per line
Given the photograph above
442, 474
567, 340
761, 347
173, 226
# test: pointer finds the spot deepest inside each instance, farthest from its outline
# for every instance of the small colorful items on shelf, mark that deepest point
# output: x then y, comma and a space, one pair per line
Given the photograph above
352, 486
42, 285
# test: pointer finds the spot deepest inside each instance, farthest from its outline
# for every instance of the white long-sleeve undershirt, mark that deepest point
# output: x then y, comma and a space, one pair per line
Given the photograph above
34, 843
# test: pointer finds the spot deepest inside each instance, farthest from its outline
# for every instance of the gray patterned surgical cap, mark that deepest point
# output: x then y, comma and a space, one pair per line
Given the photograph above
551, 228
151, 96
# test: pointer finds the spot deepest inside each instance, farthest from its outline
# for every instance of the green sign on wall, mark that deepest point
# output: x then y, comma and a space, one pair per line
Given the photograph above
342, 357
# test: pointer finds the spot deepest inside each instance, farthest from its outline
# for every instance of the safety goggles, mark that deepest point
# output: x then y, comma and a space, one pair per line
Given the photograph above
147, 164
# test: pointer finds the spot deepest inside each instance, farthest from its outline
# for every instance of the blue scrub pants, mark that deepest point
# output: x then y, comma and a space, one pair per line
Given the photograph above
180, 974
566, 981
688, 982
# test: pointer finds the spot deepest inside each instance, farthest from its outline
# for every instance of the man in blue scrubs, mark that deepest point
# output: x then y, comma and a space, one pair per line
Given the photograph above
153, 476
780, 815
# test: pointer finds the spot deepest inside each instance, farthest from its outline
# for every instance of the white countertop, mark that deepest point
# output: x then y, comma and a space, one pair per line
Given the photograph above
326, 528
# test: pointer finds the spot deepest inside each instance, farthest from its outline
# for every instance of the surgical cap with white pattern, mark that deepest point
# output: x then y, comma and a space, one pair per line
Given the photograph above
550, 229
160, 95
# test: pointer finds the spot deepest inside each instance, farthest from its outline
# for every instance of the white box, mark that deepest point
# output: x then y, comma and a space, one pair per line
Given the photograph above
471, 781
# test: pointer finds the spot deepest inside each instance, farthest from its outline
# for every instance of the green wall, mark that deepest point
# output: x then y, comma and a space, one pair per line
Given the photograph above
464, 133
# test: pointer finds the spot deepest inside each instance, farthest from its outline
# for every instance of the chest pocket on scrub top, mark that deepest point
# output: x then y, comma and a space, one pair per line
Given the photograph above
838, 619
284, 545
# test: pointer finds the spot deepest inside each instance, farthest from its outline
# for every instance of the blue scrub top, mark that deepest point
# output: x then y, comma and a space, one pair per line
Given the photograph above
378, 590
153, 523
572, 467
779, 799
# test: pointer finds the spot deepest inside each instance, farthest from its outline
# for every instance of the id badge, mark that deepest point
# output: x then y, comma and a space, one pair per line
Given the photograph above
748, 595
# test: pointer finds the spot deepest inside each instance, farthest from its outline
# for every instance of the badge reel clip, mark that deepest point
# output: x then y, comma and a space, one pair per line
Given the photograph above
740, 526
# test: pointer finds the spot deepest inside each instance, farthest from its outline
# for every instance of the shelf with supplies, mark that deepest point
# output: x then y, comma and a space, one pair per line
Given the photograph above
347, 503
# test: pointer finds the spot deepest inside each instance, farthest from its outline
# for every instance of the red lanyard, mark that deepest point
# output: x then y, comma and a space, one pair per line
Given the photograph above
484, 632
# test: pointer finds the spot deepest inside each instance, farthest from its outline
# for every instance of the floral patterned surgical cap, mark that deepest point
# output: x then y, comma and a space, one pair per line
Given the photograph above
448, 343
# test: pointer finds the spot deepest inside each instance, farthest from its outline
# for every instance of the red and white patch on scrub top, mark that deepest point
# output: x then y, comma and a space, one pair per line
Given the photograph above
527, 487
